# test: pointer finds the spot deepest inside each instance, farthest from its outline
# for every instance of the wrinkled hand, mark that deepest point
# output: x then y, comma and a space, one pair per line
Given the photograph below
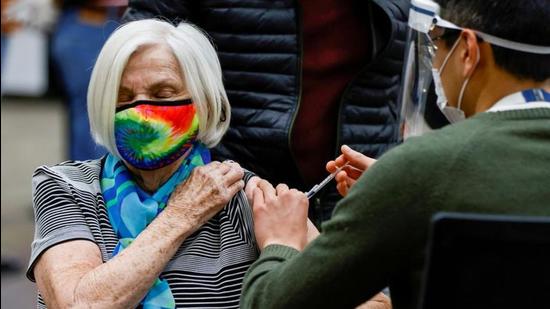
280, 216
357, 164
207, 190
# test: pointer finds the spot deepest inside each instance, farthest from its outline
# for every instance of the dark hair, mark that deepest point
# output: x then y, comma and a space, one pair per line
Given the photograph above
524, 21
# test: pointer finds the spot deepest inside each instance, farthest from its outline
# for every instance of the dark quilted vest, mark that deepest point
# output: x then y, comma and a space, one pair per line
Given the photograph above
259, 46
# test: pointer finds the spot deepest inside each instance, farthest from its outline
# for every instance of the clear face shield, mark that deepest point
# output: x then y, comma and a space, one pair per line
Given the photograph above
419, 111
417, 74
417, 80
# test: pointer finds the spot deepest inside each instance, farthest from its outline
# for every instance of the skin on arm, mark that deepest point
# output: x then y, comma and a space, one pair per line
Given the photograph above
357, 164
71, 274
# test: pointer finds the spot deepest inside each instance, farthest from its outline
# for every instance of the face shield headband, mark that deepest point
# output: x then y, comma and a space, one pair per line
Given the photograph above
425, 27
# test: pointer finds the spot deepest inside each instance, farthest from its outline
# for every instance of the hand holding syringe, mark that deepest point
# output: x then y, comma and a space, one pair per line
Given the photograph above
316, 188
355, 164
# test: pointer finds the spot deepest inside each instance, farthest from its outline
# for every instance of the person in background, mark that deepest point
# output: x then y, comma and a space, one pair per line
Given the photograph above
7, 27
25, 25
492, 77
155, 222
303, 77
81, 30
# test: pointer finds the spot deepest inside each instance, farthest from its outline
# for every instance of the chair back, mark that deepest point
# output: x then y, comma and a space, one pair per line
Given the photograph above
487, 261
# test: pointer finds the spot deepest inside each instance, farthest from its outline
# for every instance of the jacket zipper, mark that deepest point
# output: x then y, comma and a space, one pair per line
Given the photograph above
299, 82
341, 104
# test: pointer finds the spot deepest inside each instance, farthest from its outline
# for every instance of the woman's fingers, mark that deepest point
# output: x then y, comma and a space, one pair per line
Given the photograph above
233, 174
216, 182
232, 164
235, 187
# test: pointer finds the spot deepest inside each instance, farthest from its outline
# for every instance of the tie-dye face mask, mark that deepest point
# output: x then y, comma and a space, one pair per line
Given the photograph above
153, 134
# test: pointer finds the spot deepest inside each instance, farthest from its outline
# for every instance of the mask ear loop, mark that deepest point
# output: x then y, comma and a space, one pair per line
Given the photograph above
440, 70
463, 89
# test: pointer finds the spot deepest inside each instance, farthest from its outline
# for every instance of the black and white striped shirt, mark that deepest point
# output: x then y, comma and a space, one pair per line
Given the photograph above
206, 271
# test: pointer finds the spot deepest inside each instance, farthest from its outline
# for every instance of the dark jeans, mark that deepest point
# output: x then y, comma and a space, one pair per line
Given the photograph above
75, 47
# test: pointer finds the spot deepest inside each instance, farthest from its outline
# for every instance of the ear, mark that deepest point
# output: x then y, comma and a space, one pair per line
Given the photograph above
469, 55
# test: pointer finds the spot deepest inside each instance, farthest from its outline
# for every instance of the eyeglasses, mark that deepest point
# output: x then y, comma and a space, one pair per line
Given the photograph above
438, 33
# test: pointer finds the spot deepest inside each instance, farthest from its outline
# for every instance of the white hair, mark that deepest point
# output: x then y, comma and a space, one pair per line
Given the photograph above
197, 59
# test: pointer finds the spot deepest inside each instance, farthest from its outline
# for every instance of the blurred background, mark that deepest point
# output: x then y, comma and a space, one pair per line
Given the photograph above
48, 51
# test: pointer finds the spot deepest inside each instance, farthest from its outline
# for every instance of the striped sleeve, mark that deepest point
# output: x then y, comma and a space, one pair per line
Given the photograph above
247, 175
58, 217
247, 214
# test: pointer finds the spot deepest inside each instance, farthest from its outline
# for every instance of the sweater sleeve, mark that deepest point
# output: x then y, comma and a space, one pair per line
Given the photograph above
375, 234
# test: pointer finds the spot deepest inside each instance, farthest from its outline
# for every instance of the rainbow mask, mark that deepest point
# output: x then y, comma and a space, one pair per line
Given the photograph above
153, 134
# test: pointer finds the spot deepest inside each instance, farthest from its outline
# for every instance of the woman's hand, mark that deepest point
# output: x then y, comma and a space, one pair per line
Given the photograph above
207, 190
357, 164
83, 280
280, 216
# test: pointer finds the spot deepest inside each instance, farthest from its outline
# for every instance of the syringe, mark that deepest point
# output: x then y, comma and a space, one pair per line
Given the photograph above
316, 188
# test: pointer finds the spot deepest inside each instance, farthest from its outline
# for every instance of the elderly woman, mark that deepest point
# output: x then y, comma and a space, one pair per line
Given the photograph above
154, 223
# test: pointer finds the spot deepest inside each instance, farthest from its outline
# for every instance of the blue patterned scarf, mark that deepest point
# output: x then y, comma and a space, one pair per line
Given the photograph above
131, 209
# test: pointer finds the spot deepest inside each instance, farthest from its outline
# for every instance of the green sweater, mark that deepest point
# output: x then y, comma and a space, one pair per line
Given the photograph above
496, 163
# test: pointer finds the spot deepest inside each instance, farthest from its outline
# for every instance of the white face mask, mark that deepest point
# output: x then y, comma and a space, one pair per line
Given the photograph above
453, 114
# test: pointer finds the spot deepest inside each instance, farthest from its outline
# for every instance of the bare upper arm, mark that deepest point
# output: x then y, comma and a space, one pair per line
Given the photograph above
59, 269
